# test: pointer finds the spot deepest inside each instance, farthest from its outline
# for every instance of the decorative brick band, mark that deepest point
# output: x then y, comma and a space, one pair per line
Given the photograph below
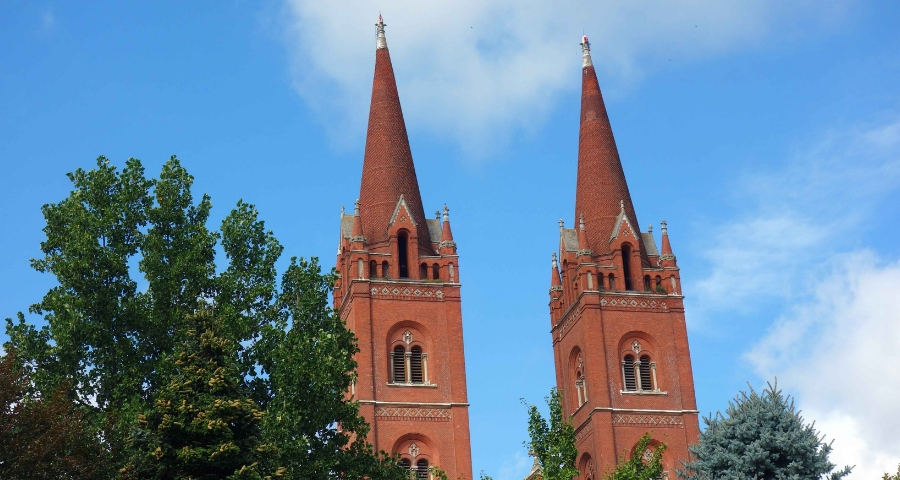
631, 302
409, 292
418, 414
675, 421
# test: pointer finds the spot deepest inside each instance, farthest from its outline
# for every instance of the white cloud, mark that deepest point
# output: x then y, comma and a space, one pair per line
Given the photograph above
838, 352
799, 216
834, 345
476, 71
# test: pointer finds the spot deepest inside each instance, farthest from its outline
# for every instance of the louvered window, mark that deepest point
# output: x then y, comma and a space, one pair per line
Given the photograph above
399, 364
628, 373
422, 470
646, 379
415, 365
404, 464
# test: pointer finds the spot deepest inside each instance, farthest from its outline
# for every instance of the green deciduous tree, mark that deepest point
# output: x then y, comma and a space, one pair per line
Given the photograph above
760, 436
109, 329
888, 476
553, 440
639, 466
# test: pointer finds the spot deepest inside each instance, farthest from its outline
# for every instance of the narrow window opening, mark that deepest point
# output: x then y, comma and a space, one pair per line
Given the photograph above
402, 260
399, 364
373, 269
422, 470
612, 282
423, 271
646, 283
415, 365
626, 266
646, 383
628, 373
436, 272
405, 464
384, 269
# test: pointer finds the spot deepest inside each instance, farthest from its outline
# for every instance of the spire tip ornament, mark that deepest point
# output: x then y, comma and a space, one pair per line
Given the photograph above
585, 52
381, 41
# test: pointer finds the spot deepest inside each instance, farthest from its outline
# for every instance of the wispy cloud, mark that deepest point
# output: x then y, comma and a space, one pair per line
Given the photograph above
799, 215
834, 342
477, 71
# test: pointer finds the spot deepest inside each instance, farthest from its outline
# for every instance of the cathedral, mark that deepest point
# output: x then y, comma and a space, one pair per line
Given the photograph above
616, 308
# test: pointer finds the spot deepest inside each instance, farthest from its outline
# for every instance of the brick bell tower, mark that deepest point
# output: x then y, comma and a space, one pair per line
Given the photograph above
617, 313
399, 292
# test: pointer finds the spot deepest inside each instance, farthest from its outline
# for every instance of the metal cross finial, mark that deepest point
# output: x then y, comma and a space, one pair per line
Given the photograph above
437, 214
650, 228
561, 223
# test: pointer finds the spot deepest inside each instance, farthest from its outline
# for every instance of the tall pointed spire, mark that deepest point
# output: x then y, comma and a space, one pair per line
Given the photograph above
601, 180
388, 169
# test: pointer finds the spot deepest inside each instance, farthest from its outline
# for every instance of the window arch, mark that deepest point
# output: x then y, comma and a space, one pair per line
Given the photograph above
659, 286
423, 271
384, 269
408, 354
435, 272
612, 282
405, 464
373, 269
646, 283
398, 364
628, 377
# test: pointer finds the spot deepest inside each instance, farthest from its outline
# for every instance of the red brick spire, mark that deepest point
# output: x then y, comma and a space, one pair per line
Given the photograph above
447, 246
388, 169
601, 180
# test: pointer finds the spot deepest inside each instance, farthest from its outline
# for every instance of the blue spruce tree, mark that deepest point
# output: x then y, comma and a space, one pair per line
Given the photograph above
760, 437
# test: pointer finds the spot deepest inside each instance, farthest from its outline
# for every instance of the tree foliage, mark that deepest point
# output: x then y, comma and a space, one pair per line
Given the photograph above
202, 423
639, 466
553, 440
760, 436
135, 260
43, 437
895, 476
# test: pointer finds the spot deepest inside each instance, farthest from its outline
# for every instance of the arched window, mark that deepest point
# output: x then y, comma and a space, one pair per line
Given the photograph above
422, 470
646, 377
659, 286
646, 283
626, 266
398, 364
423, 271
628, 374
373, 269
648, 374
415, 365
436, 272
405, 464
384, 269
612, 282
402, 258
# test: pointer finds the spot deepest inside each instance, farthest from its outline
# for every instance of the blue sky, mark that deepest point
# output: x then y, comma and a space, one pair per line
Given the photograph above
767, 134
